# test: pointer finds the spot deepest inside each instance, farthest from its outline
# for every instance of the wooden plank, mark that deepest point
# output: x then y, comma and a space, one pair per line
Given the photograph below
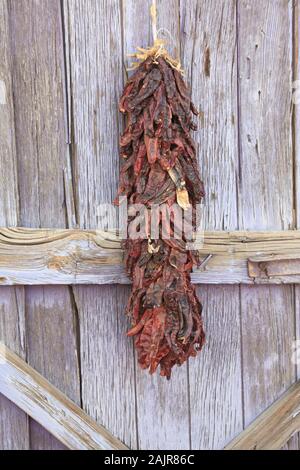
9, 201
107, 362
38, 77
208, 36
215, 375
296, 127
14, 425
14, 430
296, 104
265, 74
296, 142
265, 267
292, 444
59, 256
161, 406
50, 407
274, 427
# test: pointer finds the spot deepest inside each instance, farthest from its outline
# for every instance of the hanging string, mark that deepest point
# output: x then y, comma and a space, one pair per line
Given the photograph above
158, 48
166, 32
153, 13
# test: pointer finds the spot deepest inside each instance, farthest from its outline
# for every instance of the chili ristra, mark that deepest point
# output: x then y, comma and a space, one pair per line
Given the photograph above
160, 167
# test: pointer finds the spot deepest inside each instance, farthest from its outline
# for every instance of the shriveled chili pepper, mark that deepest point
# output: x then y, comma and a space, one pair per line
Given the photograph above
160, 167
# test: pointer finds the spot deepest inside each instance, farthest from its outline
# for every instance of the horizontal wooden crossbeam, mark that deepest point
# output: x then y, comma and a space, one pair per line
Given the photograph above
31, 392
274, 427
51, 256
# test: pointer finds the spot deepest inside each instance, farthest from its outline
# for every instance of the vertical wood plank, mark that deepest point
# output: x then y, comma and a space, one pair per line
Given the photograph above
208, 35
38, 74
14, 424
296, 142
265, 191
265, 71
96, 56
14, 430
296, 129
292, 444
296, 106
9, 201
161, 406
215, 381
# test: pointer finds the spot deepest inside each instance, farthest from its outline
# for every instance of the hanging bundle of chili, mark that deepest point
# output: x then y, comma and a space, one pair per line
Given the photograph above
160, 167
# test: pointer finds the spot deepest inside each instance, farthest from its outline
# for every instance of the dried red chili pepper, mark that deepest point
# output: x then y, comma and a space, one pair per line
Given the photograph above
160, 167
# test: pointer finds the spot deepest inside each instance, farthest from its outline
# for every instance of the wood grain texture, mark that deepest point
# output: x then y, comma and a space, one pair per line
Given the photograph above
296, 128
9, 200
208, 34
296, 105
96, 78
244, 92
50, 407
274, 427
12, 313
161, 406
265, 73
38, 77
60, 256
292, 444
296, 142
14, 430
215, 376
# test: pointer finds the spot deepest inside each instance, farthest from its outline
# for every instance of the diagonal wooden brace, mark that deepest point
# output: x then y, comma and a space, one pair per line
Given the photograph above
24, 386
274, 427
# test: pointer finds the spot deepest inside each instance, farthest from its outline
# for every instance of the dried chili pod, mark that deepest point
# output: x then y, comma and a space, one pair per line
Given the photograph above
161, 167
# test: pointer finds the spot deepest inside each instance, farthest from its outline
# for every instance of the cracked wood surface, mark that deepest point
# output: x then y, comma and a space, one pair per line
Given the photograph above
275, 427
266, 192
37, 75
12, 304
48, 406
296, 136
94, 41
161, 406
208, 34
63, 71
73, 256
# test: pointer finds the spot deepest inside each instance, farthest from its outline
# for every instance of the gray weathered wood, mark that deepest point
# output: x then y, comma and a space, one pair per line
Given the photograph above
9, 202
38, 73
296, 128
259, 177
12, 312
161, 406
208, 36
14, 425
50, 407
216, 408
107, 368
60, 256
274, 427
265, 191
297, 117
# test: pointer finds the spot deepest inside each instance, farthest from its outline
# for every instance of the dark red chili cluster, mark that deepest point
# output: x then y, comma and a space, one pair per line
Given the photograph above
160, 167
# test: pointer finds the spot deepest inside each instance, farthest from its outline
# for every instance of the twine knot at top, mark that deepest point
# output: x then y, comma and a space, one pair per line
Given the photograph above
157, 50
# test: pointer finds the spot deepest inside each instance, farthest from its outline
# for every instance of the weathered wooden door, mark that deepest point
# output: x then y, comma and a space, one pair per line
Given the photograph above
62, 71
